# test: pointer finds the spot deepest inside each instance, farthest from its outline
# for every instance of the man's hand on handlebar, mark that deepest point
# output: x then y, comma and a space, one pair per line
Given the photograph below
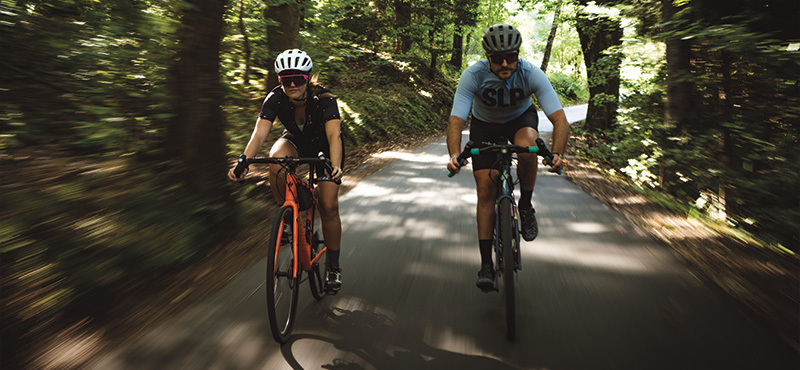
558, 163
453, 166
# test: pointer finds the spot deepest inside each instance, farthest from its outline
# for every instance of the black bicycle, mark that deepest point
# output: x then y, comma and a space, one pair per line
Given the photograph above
506, 231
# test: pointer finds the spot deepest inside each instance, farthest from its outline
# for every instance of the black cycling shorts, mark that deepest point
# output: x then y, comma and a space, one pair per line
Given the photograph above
306, 149
484, 132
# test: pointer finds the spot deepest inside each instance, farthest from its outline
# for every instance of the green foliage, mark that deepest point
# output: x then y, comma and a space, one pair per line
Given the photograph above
735, 157
82, 73
572, 91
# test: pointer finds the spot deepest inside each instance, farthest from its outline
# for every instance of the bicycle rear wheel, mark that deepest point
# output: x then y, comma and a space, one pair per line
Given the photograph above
282, 287
507, 241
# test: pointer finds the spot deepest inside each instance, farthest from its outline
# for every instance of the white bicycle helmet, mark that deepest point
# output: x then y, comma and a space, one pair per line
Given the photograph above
500, 38
294, 59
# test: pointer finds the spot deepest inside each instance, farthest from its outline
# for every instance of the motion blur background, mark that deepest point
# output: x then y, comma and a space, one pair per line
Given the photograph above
121, 117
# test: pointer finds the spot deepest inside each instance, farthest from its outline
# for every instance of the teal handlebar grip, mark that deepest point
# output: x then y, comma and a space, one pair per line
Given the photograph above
475, 151
533, 149
550, 162
461, 163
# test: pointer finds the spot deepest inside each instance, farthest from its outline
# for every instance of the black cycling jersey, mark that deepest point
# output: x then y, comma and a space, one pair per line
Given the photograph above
312, 138
321, 107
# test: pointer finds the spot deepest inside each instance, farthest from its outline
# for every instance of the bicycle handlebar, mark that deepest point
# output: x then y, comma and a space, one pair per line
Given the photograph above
548, 157
245, 162
470, 150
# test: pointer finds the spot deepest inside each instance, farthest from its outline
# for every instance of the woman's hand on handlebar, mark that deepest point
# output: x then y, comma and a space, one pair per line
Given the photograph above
233, 177
337, 173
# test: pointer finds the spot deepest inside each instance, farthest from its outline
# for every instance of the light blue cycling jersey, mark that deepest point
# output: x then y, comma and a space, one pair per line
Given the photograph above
496, 101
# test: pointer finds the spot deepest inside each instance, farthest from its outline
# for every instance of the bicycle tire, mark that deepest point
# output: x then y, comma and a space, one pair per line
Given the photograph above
282, 288
507, 239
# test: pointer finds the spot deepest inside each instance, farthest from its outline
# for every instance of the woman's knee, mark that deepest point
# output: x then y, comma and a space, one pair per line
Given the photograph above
328, 199
282, 148
329, 210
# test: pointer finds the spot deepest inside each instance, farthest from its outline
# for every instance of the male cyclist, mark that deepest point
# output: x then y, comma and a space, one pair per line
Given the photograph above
498, 90
310, 116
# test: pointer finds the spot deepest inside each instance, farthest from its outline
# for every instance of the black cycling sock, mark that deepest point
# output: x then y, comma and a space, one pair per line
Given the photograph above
486, 251
332, 258
525, 197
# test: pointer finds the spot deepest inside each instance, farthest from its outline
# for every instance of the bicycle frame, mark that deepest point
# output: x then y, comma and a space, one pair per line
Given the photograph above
303, 225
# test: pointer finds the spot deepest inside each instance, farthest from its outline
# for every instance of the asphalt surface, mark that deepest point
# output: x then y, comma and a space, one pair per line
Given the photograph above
595, 292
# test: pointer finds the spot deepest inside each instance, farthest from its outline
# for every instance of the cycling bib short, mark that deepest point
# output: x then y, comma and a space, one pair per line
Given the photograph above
481, 132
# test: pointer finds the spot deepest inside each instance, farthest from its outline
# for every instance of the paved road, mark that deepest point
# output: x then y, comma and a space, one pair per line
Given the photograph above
594, 293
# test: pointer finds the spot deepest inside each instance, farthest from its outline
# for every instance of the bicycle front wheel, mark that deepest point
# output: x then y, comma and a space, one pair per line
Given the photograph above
282, 287
316, 276
507, 241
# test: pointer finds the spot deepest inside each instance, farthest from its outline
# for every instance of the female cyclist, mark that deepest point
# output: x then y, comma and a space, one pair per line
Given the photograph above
312, 124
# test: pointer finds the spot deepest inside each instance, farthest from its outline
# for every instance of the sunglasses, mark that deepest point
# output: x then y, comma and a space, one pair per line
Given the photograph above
509, 57
297, 80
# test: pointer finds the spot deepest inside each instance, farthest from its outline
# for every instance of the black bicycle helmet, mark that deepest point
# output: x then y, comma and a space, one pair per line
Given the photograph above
501, 38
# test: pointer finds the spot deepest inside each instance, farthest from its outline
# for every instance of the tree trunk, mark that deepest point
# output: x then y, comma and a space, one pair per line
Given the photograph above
732, 148
457, 58
551, 38
196, 134
402, 11
247, 50
679, 89
283, 36
600, 38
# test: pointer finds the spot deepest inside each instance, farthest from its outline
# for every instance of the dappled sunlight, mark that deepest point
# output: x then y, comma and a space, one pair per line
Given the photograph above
244, 342
587, 227
430, 270
375, 217
367, 189
70, 350
347, 304
471, 198
415, 157
459, 256
422, 180
594, 256
628, 200
448, 339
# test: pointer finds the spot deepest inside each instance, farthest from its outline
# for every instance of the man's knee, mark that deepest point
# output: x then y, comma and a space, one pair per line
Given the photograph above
526, 136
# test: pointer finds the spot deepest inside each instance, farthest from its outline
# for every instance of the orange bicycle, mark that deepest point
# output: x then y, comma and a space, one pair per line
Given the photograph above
294, 242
